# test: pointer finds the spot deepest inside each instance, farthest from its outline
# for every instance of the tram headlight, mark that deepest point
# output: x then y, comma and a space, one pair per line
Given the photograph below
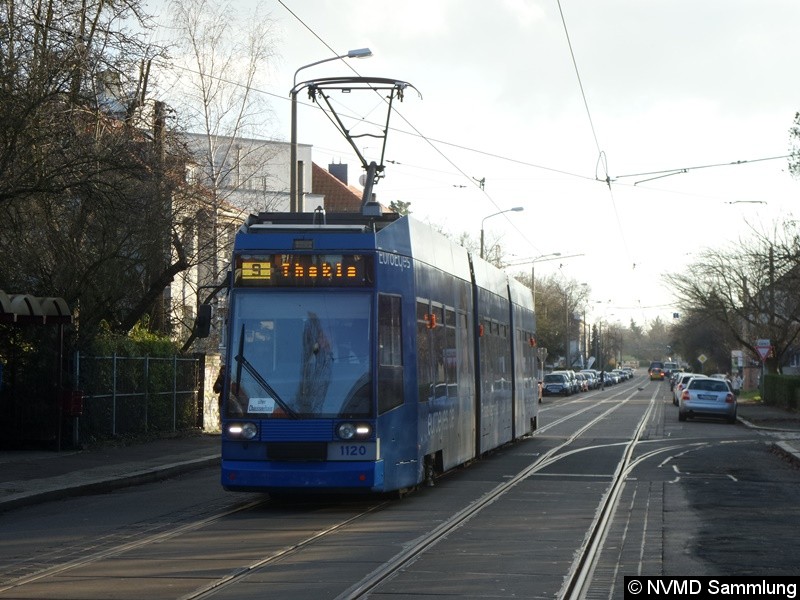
244, 431
354, 431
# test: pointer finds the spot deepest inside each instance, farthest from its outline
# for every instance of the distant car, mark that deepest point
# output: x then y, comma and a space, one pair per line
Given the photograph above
583, 381
592, 378
656, 364
670, 368
656, 374
571, 379
673, 379
707, 397
556, 384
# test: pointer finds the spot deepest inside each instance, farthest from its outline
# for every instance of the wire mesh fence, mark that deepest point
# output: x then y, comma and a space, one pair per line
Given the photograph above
129, 395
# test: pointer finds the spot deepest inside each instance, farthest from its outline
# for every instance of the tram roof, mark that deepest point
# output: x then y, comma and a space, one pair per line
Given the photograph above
389, 232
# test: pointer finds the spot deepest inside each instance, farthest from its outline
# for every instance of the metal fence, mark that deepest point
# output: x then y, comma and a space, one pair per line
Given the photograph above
125, 395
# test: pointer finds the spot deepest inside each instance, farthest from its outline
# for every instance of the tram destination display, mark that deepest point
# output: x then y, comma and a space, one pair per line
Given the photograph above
304, 270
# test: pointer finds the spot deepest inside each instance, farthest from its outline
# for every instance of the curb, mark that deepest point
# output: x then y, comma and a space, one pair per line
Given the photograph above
787, 451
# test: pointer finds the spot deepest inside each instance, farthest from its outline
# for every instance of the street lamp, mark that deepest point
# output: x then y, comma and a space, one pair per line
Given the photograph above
515, 209
294, 200
540, 258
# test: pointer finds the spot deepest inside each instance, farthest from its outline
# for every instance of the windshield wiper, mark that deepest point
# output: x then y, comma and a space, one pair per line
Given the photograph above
244, 363
241, 361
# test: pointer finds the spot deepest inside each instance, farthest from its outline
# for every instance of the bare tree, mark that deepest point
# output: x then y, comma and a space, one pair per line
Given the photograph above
695, 335
222, 55
752, 288
225, 54
88, 170
794, 146
57, 57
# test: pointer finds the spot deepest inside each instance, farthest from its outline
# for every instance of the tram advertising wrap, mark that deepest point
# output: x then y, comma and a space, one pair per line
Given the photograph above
367, 354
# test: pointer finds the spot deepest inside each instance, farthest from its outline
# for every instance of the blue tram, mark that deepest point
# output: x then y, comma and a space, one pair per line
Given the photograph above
368, 353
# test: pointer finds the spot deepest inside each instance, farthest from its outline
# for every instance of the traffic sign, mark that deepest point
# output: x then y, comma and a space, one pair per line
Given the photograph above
702, 358
763, 347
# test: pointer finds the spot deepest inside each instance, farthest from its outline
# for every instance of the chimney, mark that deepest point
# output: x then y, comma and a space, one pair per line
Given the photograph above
339, 171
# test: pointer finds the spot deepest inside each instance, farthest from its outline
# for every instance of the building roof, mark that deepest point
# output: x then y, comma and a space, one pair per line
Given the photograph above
338, 196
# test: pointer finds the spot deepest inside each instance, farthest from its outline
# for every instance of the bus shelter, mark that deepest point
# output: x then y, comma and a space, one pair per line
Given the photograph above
32, 395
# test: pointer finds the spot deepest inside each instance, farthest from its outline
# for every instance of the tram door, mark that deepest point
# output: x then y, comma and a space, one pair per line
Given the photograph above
445, 413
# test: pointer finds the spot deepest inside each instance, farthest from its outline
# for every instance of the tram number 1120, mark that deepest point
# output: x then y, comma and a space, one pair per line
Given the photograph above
350, 451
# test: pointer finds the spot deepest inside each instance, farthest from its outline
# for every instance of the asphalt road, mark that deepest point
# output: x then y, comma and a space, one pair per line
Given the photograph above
695, 498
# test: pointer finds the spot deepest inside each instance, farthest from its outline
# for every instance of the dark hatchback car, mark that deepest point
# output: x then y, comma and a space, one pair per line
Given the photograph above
556, 384
656, 364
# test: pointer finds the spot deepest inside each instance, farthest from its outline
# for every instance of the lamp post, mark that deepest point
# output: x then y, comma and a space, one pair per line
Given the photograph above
515, 209
535, 259
294, 200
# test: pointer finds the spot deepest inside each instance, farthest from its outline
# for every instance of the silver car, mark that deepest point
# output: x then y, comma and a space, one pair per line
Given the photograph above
707, 397
680, 383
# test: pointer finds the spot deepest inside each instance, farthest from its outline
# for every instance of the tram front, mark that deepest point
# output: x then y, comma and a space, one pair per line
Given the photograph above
297, 410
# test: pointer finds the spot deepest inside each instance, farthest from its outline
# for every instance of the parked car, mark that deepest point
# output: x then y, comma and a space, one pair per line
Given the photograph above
556, 384
707, 397
680, 384
583, 382
607, 378
592, 377
673, 379
573, 381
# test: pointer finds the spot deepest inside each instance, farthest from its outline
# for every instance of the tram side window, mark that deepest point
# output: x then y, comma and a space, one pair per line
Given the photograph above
389, 331
439, 346
424, 370
465, 376
390, 353
451, 353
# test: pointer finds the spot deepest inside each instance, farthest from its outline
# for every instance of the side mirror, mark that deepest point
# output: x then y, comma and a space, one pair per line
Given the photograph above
202, 324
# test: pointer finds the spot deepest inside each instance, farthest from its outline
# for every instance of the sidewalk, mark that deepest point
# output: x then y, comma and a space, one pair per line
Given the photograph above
29, 477
776, 422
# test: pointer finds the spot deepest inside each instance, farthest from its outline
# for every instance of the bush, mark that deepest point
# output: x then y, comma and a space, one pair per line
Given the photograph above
782, 391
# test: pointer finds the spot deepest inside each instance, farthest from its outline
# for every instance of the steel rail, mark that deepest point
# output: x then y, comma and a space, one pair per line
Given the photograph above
413, 552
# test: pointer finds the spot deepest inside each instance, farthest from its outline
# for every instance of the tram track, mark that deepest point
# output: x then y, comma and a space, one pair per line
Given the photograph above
580, 573
118, 549
423, 543
212, 587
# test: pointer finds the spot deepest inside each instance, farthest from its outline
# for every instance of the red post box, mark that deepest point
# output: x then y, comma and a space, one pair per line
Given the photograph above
72, 403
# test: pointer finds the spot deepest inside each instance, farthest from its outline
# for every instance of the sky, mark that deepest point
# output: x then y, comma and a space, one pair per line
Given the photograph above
571, 111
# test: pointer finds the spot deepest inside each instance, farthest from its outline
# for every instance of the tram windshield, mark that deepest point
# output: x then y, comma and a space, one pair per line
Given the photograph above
300, 355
